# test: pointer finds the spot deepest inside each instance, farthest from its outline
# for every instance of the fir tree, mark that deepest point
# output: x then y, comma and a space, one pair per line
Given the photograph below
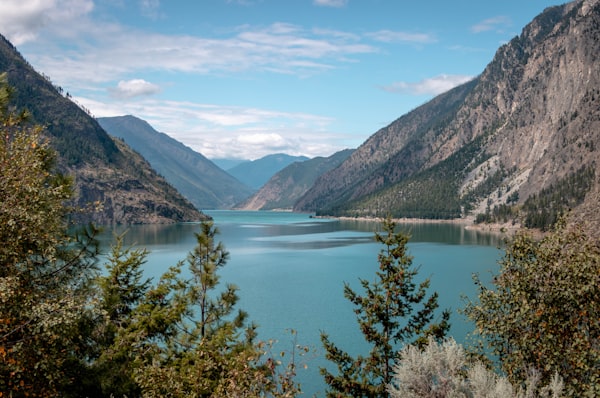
121, 290
393, 311
205, 349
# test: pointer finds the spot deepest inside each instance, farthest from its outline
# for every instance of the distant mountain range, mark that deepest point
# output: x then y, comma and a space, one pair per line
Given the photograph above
519, 143
198, 179
227, 164
284, 189
105, 170
256, 173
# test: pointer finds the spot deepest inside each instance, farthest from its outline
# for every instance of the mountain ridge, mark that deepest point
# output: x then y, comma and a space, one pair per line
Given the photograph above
255, 173
202, 182
289, 184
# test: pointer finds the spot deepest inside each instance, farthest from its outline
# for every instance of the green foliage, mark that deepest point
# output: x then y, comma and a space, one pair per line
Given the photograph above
204, 261
181, 337
394, 311
544, 312
121, 290
65, 331
445, 370
500, 213
44, 270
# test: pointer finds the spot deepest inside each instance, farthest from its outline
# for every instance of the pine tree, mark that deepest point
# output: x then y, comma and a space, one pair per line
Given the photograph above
121, 290
393, 311
204, 261
206, 348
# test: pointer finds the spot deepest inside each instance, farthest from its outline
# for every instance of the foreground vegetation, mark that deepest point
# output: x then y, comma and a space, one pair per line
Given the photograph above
69, 328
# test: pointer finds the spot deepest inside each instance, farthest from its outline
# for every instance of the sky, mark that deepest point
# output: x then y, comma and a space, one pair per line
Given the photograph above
241, 79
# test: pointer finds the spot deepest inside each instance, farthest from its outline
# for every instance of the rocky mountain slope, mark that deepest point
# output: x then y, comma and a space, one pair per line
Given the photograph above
106, 172
256, 173
505, 142
288, 185
194, 176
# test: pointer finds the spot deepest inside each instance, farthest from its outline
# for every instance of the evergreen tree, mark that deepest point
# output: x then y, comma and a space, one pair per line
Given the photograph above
393, 311
121, 290
203, 262
206, 349
44, 270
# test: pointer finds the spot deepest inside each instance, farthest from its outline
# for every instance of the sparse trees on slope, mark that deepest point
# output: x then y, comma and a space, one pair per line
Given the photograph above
394, 311
544, 310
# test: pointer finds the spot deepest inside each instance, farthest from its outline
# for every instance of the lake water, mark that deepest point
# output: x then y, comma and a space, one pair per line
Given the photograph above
291, 270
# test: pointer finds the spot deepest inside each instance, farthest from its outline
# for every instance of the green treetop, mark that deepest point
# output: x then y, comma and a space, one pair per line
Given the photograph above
393, 311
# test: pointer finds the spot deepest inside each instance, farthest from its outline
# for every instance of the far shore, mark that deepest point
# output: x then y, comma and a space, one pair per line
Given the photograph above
468, 223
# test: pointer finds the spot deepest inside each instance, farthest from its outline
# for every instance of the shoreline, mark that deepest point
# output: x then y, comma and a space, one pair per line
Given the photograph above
468, 223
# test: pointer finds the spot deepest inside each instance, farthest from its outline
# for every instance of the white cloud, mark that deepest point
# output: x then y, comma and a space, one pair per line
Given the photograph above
330, 3
22, 20
134, 88
150, 8
499, 24
101, 53
229, 131
389, 36
432, 86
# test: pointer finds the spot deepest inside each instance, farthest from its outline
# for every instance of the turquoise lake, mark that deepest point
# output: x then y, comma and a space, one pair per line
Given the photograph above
291, 270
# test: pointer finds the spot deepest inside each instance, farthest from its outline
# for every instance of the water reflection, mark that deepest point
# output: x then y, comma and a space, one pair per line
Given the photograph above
152, 234
297, 231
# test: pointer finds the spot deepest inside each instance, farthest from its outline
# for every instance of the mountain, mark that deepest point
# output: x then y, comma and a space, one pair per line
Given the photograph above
198, 179
519, 142
256, 173
289, 184
227, 164
105, 171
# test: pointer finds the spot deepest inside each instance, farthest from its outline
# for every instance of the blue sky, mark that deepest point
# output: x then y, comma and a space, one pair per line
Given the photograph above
246, 78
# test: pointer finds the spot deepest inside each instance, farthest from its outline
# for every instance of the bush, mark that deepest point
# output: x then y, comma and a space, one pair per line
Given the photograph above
443, 370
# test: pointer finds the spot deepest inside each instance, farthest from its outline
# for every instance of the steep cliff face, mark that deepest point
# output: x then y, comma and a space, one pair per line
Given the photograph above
530, 120
129, 192
116, 182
